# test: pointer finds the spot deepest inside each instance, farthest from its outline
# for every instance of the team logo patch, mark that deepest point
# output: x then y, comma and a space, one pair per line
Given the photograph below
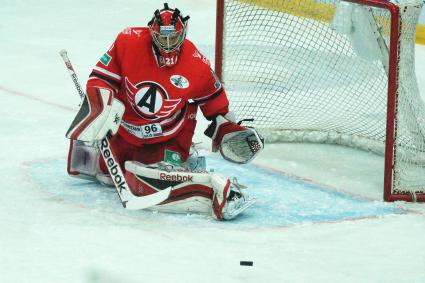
217, 83
179, 81
150, 100
106, 58
172, 157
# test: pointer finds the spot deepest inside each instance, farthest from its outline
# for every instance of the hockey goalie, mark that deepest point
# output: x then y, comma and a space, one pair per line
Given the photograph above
144, 94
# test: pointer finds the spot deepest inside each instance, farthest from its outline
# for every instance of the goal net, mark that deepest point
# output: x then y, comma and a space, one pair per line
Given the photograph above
329, 71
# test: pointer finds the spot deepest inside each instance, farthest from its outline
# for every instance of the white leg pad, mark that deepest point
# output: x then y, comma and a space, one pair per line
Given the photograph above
190, 205
83, 160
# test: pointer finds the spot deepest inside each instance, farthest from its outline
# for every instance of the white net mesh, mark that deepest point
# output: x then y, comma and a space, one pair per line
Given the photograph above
303, 78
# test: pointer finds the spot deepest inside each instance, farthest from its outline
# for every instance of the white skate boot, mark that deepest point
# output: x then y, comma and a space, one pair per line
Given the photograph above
229, 201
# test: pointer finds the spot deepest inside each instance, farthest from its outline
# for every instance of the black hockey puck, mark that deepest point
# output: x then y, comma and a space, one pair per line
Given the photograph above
246, 263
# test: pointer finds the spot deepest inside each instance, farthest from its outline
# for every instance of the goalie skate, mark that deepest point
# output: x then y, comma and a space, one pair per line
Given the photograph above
231, 201
236, 205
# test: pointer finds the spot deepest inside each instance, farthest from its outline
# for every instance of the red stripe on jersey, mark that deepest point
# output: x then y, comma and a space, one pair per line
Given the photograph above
106, 75
174, 120
95, 81
134, 136
208, 97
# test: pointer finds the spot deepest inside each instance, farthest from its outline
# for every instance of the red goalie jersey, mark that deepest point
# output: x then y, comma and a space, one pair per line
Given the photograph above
159, 101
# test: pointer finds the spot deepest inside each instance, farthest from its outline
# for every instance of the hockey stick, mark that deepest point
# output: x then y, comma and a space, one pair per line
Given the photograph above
127, 198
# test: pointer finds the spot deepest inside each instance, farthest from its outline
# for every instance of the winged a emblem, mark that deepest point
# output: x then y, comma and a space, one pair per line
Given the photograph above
150, 100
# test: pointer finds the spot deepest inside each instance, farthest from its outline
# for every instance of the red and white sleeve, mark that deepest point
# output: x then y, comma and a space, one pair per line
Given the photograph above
107, 72
213, 100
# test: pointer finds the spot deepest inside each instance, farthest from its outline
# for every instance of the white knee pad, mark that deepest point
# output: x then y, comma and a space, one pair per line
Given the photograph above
83, 160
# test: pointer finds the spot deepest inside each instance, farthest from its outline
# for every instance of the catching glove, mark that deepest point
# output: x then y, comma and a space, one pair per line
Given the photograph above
236, 143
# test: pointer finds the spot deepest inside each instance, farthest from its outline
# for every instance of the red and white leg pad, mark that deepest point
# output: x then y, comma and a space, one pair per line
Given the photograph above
192, 192
83, 162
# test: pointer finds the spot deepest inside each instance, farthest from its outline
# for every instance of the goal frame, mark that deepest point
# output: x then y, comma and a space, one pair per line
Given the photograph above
392, 93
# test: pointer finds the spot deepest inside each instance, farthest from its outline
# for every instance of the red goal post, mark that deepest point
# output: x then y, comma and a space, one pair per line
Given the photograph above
326, 76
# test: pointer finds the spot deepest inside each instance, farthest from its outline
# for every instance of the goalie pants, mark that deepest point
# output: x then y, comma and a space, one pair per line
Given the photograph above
152, 153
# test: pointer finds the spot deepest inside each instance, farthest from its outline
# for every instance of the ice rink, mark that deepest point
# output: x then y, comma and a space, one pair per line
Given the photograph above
319, 216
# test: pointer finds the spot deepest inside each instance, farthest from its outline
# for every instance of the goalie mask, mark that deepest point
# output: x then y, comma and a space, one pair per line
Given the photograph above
168, 30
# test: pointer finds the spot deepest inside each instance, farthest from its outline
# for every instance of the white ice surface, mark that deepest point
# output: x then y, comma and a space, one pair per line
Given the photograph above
45, 239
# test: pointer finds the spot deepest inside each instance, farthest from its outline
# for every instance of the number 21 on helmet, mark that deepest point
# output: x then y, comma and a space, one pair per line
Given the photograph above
168, 30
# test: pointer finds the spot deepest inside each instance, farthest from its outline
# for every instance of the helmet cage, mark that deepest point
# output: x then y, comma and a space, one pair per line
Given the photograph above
167, 39
168, 33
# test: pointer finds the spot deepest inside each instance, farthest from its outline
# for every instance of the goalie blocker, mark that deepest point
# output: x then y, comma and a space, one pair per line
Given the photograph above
100, 114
